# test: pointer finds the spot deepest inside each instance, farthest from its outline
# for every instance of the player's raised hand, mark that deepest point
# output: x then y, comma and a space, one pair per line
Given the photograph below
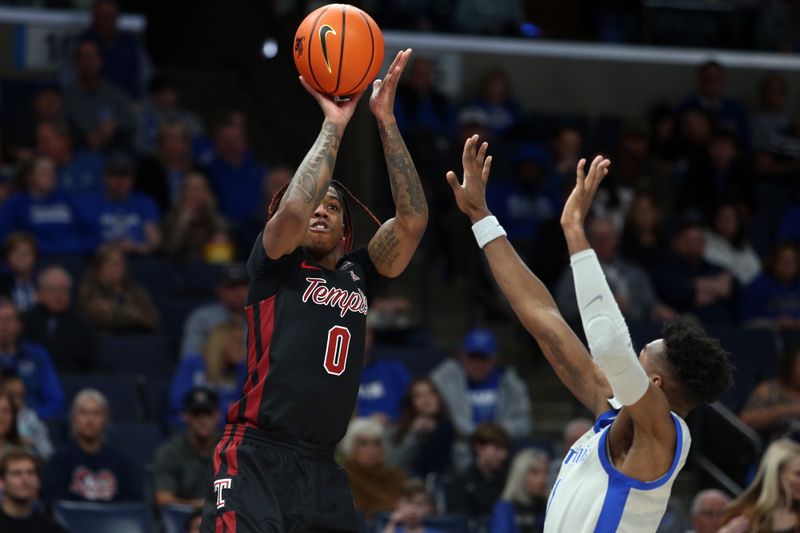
580, 200
471, 192
381, 102
340, 111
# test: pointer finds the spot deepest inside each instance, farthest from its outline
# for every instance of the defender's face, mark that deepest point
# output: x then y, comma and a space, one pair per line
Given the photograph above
326, 226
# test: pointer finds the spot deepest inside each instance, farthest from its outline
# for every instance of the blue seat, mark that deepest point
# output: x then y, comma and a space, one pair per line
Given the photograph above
174, 312
82, 517
140, 354
137, 440
156, 400
174, 517
157, 276
120, 391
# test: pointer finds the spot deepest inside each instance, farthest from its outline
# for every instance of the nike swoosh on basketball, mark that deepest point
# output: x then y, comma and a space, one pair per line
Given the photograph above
323, 32
308, 266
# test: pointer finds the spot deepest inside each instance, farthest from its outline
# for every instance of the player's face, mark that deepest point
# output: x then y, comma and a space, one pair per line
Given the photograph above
326, 227
790, 477
21, 481
536, 481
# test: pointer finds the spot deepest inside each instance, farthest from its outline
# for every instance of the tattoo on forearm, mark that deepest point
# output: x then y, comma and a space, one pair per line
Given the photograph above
559, 359
409, 198
307, 182
383, 249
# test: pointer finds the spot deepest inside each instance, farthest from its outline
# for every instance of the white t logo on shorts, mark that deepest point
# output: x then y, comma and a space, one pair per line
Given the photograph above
219, 486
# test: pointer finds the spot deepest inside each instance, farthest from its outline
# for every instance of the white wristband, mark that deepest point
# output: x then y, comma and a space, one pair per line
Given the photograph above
486, 230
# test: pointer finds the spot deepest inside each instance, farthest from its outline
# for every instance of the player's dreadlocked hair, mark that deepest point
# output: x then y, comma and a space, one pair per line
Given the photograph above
699, 362
344, 194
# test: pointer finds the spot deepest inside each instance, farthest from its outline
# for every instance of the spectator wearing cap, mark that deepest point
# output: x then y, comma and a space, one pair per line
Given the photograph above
229, 308
19, 478
384, 384
98, 112
162, 107
55, 324
88, 468
77, 171
121, 216
182, 475
221, 367
477, 389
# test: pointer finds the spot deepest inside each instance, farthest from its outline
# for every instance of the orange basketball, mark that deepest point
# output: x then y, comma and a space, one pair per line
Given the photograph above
338, 49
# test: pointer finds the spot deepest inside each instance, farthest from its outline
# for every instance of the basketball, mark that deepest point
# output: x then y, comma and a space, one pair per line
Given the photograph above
338, 49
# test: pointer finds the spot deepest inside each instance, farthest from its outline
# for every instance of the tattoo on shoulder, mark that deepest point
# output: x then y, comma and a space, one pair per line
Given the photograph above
383, 250
306, 180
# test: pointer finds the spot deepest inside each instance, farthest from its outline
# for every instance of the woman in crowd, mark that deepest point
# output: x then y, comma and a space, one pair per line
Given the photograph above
522, 506
770, 504
111, 300
642, 241
9, 434
18, 282
773, 404
727, 246
421, 442
30, 427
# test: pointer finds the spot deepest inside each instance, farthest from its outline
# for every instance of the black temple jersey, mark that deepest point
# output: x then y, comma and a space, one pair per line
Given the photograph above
305, 343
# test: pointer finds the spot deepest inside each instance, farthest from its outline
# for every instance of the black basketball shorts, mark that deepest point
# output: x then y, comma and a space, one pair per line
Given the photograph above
265, 484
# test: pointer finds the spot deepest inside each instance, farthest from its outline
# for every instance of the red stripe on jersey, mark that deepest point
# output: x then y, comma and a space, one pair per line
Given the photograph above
229, 518
231, 459
251, 348
266, 309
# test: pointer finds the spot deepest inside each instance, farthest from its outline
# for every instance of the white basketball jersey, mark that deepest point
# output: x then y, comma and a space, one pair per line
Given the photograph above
591, 496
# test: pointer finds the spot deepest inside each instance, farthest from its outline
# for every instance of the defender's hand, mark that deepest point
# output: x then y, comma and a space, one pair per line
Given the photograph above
339, 112
471, 194
381, 103
580, 200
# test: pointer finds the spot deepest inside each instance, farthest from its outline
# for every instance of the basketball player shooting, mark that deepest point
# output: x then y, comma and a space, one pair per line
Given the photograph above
619, 475
306, 316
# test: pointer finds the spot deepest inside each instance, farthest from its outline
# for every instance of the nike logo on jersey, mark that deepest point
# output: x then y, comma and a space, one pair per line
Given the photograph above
323, 33
353, 275
348, 301
308, 266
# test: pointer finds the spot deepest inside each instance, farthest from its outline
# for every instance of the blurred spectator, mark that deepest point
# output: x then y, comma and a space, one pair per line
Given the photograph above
121, 216
475, 491
642, 241
477, 389
774, 295
727, 246
687, 283
697, 127
775, 404
229, 307
234, 173
182, 475
710, 96
5, 185
54, 324
221, 367
98, 112
567, 151
163, 107
88, 468
31, 363
420, 108
789, 228
376, 486
9, 432
50, 215
413, 507
193, 221
125, 61
384, 384
110, 299
30, 427
194, 522
524, 500
774, 129
573, 430
20, 254
421, 441
19, 509
19, 133
499, 17
708, 510
630, 284
496, 100
276, 177
770, 502
162, 174
663, 127
638, 169
77, 171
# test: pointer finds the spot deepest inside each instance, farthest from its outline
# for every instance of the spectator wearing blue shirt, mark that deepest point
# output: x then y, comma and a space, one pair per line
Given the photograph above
495, 99
221, 367
521, 507
31, 363
775, 294
234, 173
162, 107
413, 507
48, 214
384, 384
119, 215
18, 282
78, 171
420, 109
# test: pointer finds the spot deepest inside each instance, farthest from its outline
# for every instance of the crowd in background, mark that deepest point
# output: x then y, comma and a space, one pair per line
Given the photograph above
111, 190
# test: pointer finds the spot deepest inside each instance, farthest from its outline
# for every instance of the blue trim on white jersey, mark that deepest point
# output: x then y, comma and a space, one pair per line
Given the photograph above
615, 476
613, 506
604, 420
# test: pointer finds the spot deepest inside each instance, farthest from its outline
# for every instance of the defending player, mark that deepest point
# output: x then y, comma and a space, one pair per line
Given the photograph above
307, 305
619, 475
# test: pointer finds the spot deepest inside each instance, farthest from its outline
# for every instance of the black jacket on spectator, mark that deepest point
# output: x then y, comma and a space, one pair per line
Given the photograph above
472, 494
70, 339
37, 522
106, 476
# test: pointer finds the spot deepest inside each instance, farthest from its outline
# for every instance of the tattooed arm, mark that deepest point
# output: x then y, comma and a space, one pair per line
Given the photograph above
528, 296
395, 242
286, 229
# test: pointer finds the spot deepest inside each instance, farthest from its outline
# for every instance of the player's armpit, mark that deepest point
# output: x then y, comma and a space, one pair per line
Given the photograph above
651, 414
